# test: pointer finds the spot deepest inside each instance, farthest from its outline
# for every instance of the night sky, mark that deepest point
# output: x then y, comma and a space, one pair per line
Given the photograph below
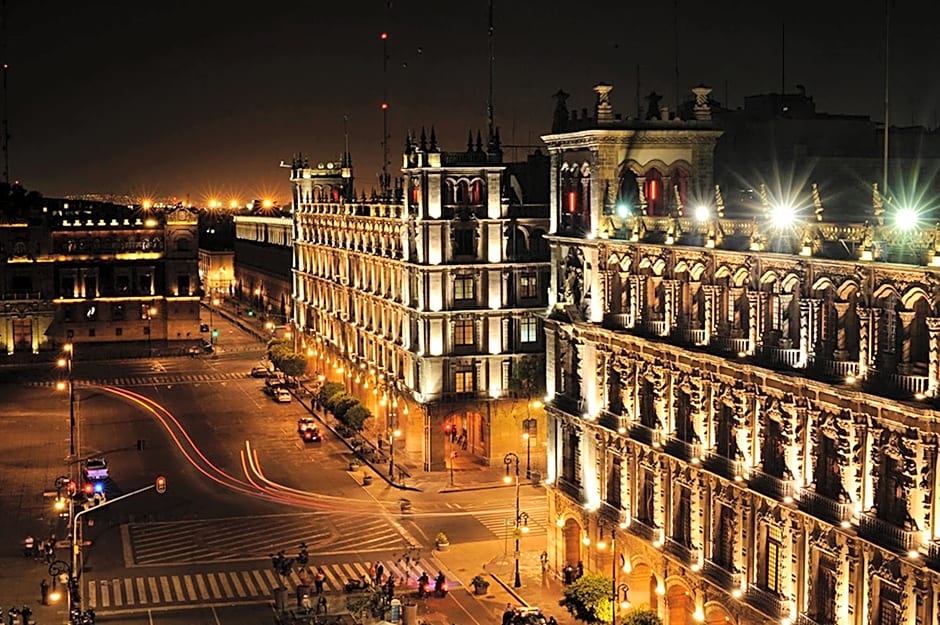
202, 99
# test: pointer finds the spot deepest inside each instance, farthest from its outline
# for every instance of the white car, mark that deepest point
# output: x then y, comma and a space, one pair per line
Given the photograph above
95, 469
282, 395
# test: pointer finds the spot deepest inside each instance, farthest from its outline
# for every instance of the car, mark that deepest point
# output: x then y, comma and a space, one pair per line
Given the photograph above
95, 470
528, 616
311, 435
206, 346
261, 371
282, 396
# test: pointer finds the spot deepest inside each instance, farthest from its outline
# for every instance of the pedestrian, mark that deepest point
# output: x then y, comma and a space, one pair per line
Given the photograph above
371, 568
25, 613
318, 578
508, 614
552, 621
580, 569
379, 571
568, 574
44, 591
321, 603
28, 545
390, 587
50, 552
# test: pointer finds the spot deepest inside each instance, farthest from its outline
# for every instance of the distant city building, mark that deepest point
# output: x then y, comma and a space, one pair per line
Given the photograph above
430, 301
114, 279
741, 412
263, 257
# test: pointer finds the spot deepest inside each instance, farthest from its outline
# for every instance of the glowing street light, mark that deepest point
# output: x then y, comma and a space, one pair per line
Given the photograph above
782, 215
508, 460
702, 213
906, 218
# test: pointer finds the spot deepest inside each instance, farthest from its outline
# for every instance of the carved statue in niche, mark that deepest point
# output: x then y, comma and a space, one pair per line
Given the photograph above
893, 480
773, 448
573, 278
830, 461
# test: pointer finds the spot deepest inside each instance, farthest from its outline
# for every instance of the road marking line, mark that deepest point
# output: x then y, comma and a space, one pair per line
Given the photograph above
154, 592
272, 581
226, 587
213, 586
237, 583
129, 589
201, 584
261, 584
116, 592
190, 588
165, 585
249, 584
178, 588
141, 591
92, 595
105, 596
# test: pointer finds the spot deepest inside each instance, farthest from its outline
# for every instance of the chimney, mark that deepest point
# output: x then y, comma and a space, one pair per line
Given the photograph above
603, 111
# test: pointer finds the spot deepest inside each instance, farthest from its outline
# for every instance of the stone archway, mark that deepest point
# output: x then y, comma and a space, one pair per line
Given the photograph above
716, 614
679, 606
572, 532
642, 583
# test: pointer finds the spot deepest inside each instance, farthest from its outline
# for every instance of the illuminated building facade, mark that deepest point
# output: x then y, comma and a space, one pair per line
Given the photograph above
741, 412
116, 279
427, 302
263, 251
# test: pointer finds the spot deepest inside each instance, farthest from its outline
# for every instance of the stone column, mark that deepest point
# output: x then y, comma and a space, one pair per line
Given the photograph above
907, 318
864, 340
555, 194
783, 312
709, 303
933, 368
809, 329
669, 305
637, 299
641, 195
756, 303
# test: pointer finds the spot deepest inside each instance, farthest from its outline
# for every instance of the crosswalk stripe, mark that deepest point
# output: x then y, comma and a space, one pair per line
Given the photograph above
141, 591
201, 585
165, 585
116, 591
105, 595
92, 595
154, 593
178, 587
128, 588
188, 585
213, 586
226, 587
261, 585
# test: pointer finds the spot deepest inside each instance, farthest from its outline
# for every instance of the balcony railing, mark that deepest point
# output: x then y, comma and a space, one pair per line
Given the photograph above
734, 345
678, 550
655, 327
887, 534
823, 507
681, 449
914, 384
841, 368
716, 463
772, 486
570, 488
767, 602
641, 529
645, 434
805, 619
721, 576
693, 336
933, 555
618, 321
789, 357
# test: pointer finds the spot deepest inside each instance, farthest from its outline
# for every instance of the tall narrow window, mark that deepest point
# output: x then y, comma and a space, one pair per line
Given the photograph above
528, 286
726, 443
823, 599
648, 405
889, 605
890, 498
682, 516
645, 497
614, 475
723, 551
528, 330
684, 417
463, 332
463, 381
771, 578
463, 288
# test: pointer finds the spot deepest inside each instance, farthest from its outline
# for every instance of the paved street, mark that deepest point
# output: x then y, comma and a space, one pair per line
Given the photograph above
241, 486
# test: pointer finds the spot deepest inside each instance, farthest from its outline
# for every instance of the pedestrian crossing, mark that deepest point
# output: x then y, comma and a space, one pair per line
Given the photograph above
240, 586
503, 524
157, 378
246, 538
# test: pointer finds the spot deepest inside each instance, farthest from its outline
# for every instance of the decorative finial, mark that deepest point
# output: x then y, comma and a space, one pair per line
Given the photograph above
878, 207
719, 203
817, 203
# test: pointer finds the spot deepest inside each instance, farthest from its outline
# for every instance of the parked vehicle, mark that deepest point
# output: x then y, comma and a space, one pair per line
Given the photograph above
282, 396
260, 371
95, 470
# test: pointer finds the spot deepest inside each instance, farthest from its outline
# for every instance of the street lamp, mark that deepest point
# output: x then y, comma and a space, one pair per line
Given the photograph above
528, 425
150, 314
508, 460
66, 362
214, 302
621, 594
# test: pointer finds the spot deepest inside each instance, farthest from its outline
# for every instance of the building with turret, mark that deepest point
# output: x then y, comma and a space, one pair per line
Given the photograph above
742, 412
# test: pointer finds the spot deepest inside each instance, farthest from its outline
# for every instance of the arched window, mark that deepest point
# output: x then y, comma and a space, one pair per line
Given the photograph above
628, 195
476, 192
655, 194
463, 192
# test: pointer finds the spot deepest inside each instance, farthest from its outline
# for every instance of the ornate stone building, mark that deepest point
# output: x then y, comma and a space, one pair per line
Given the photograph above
114, 279
742, 413
428, 302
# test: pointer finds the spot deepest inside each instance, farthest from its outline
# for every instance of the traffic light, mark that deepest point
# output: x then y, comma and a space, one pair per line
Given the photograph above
215, 333
203, 327
160, 483
89, 489
72, 488
251, 313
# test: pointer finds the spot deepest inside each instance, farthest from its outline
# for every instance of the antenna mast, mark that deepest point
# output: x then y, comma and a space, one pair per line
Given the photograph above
386, 182
675, 33
6, 100
491, 124
884, 164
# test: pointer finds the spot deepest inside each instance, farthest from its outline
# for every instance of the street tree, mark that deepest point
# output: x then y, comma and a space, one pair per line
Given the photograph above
641, 616
356, 417
588, 599
293, 364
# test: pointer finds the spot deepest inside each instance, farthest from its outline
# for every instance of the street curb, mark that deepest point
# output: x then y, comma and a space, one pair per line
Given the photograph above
455, 489
508, 588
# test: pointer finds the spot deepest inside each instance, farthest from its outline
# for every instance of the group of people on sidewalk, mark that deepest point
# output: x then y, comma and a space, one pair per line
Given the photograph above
42, 550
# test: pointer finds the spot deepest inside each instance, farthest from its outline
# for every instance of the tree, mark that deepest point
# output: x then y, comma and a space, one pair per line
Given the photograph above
641, 617
356, 417
293, 364
342, 405
528, 376
329, 389
588, 599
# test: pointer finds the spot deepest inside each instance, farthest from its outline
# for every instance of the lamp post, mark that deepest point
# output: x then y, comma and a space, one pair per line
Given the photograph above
528, 425
212, 304
620, 592
508, 460
66, 362
150, 313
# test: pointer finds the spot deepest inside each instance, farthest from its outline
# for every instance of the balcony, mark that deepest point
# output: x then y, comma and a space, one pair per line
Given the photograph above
645, 434
933, 555
913, 384
618, 321
693, 336
734, 345
887, 534
655, 327
792, 358
678, 551
841, 368
770, 603
721, 576
571, 489
824, 508
781, 490
805, 619
678, 448
644, 531
726, 467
